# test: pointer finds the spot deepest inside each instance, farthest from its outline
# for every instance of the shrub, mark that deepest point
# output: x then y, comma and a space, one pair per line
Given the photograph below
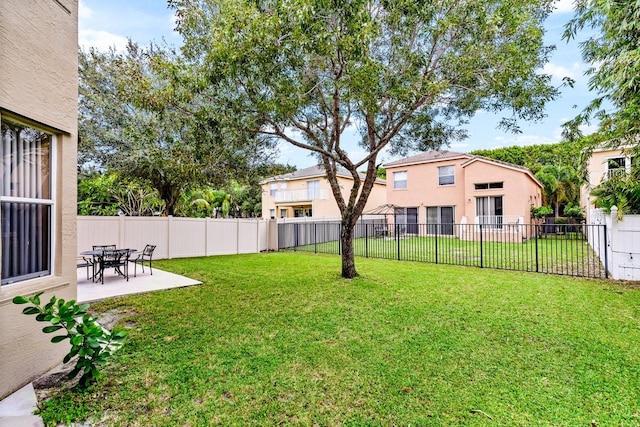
89, 340
541, 211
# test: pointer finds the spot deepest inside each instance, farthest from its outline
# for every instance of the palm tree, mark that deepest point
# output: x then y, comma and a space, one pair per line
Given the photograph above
561, 185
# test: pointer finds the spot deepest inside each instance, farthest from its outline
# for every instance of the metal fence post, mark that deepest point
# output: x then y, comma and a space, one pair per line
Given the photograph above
398, 239
437, 226
606, 253
339, 239
481, 249
315, 239
535, 228
366, 240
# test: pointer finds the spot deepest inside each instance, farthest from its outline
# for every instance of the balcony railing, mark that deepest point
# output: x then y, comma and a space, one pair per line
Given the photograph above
497, 221
300, 195
612, 173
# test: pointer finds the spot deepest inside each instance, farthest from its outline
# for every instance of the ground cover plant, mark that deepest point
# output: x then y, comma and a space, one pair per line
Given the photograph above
280, 338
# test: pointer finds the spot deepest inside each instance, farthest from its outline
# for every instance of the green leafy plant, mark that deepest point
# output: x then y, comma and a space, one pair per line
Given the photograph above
574, 211
89, 340
541, 211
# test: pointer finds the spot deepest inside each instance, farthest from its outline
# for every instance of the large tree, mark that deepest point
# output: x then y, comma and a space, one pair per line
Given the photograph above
402, 73
613, 50
136, 119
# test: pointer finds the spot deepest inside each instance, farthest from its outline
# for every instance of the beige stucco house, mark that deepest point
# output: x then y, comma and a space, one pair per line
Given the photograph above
38, 115
446, 187
307, 193
603, 164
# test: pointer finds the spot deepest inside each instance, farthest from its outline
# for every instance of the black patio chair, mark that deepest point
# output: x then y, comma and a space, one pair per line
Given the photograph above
103, 247
118, 259
88, 263
146, 255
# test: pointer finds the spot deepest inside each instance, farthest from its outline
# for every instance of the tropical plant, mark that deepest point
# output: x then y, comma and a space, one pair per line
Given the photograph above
622, 191
561, 185
574, 210
401, 74
541, 211
90, 342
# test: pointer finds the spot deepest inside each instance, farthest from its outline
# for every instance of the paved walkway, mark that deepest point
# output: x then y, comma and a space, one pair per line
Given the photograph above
17, 409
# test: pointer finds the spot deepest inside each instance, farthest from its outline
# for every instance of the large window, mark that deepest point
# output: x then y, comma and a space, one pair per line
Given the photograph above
273, 188
313, 189
489, 211
440, 220
446, 175
26, 202
400, 180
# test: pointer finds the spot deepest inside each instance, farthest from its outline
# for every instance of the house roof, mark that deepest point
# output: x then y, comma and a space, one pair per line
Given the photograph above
518, 168
427, 157
436, 156
313, 172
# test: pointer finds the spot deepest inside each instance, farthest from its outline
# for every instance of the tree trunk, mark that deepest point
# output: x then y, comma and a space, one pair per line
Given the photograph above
346, 238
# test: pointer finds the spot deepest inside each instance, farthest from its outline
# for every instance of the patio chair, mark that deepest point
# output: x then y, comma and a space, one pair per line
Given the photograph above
103, 247
146, 255
118, 259
86, 262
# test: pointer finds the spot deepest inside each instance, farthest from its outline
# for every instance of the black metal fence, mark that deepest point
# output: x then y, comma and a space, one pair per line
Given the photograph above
565, 249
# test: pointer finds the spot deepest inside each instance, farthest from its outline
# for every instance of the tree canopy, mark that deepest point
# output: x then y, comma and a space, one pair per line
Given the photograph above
614, 54
137, 119
401, 74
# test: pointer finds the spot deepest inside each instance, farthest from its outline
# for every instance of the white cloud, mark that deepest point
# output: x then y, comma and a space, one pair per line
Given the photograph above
84, 11
558, 72
101, 40
507, 141
564, 6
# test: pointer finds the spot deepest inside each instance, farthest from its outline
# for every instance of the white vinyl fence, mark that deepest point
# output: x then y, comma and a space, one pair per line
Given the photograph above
621, 245
178, 237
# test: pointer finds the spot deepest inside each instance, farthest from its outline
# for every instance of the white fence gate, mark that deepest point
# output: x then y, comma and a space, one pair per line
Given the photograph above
178, 237
621, 246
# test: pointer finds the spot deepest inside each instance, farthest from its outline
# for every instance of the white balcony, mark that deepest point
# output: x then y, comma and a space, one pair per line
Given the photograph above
497, 221
301, 195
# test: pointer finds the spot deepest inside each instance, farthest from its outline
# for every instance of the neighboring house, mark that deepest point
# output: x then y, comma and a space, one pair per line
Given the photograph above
307, 193
38, 122
447, 188
603, 164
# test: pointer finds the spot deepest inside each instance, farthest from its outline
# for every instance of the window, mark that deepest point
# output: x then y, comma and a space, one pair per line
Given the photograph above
489, 185
313, 189
489, 211
440, 220
273, 188
272, 213
283, 213
400, 180
26, 202
446, 175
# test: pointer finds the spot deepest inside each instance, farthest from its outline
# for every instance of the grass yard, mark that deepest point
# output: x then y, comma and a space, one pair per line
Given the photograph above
280, 338
566, 256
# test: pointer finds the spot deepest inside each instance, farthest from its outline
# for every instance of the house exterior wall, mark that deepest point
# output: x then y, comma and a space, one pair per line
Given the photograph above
597, 168
423, 189
324, 206
38, 87
519, 191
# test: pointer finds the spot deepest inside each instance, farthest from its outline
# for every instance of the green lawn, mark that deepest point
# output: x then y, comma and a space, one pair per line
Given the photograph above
552, 254
280, 338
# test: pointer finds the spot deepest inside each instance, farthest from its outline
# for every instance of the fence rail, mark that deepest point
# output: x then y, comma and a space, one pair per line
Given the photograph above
565, 249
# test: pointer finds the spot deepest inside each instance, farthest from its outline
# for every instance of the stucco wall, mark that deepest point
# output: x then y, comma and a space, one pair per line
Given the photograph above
38, 86
325, 207
519, 191
423, 189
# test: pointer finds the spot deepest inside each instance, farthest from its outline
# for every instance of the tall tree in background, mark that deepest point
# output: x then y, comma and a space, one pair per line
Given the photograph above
561, 185
400, 73
614, 55
136, 119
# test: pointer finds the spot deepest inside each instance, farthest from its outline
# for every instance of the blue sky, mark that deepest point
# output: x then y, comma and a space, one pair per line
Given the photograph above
110, 23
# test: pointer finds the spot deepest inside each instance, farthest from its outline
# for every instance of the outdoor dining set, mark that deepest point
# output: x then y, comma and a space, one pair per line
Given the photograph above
104, 257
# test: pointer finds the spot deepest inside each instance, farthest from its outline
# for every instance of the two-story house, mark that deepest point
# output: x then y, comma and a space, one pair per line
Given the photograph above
307, 193
447, 188
38, 122
603, 164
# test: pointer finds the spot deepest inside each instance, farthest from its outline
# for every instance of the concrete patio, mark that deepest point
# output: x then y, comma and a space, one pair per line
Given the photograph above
17, 409
115, 285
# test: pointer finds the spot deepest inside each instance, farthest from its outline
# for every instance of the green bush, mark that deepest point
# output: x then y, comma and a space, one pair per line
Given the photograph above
89, 340
541, 211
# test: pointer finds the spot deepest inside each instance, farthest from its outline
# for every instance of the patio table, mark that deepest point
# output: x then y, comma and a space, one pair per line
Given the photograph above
99, 257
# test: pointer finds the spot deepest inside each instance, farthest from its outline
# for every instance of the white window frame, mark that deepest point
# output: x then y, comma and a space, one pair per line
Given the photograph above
272, 213
273, 188
442, 174
51, 202
400, 180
